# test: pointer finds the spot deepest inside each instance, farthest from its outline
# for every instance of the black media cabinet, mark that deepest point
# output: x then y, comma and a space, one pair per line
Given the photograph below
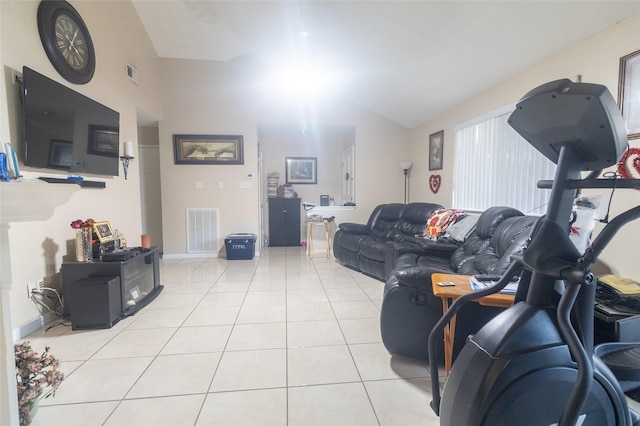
99, 293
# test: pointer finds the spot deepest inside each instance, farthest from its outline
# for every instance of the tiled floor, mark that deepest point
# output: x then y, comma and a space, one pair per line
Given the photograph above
279, 340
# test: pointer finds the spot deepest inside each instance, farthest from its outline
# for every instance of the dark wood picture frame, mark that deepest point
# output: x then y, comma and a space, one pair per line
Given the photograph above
301, 170
628, 99
208, 149
104, 140
436, 147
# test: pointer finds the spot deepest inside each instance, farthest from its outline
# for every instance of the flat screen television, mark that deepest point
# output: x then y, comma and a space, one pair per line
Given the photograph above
65, 130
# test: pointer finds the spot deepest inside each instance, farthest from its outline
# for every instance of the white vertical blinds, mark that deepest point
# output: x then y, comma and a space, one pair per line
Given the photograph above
494, 166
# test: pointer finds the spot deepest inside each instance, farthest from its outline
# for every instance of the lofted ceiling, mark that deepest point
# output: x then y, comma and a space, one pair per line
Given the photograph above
405, 60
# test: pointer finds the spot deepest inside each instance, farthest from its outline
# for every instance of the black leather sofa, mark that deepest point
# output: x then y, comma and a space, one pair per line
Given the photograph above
409, 309
363, 247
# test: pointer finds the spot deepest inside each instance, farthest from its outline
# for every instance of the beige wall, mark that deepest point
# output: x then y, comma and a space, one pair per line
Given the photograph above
38, 249
596, 59
222, 98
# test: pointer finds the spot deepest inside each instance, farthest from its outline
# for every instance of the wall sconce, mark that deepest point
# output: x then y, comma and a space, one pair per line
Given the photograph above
405, 166
128, 156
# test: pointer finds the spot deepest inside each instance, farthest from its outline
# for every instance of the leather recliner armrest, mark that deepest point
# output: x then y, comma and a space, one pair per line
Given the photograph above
355, 228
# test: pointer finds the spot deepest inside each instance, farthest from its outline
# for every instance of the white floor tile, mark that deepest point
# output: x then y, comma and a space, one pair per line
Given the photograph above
187, 340
260, 369
321, 365
258, 336
176, 375
402, 402
309, 311
99, 380
364, 330
136, 343
174, 411
266, 407
254, 314
314, 333
94, 413
335, 405
375, 363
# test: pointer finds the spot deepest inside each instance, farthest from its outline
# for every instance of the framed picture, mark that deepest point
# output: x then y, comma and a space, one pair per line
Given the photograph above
301, 170
60, 154
103, 231
628, 93
104, 140
208, 149
436, 145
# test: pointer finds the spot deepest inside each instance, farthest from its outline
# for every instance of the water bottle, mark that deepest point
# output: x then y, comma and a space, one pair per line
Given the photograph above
4, 172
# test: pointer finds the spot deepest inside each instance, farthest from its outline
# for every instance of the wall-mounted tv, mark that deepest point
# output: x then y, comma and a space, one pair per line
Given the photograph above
65, 130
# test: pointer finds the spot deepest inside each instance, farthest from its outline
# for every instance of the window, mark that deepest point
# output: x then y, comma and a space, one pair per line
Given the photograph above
495, 166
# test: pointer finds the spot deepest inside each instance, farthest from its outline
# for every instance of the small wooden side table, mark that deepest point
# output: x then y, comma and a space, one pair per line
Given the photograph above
461, 287
327, 237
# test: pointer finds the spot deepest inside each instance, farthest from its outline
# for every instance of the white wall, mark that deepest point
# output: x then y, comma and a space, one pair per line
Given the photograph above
597, 60
38, 249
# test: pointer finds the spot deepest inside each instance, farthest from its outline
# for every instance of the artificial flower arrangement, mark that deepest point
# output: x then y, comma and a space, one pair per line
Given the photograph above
76, 224
34, 372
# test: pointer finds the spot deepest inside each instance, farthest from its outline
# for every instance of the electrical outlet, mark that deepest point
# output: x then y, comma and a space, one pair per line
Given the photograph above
40, 284
31, 287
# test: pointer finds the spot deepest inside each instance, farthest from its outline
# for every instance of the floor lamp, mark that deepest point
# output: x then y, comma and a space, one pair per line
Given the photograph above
405, 167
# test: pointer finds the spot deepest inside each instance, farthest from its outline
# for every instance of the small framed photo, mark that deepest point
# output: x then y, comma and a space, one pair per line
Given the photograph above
208, 149
301, 170
628, 93
103, 231
436, 145
60, 154
104, 140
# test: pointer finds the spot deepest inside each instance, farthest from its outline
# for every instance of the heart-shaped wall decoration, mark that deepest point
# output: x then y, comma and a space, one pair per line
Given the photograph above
434, 183
629, 164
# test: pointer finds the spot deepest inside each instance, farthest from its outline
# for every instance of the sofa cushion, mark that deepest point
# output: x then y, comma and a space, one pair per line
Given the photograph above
491, 218
348, 241
386, 220
509, 239
373, 248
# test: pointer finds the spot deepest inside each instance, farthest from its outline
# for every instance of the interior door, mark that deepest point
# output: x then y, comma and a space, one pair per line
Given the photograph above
348, 175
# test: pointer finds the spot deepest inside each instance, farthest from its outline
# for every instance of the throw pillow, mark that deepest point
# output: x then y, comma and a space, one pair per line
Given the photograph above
440, 220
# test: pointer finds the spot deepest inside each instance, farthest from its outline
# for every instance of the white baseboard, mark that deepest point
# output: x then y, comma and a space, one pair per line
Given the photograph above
197, 255
33, 325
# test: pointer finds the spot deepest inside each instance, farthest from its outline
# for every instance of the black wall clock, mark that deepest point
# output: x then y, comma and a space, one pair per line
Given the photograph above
66, 40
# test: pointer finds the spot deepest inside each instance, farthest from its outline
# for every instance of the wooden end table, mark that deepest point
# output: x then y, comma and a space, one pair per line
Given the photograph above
327, 237
461, 287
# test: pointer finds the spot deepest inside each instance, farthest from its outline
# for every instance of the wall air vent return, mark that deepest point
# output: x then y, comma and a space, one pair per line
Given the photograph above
203, 230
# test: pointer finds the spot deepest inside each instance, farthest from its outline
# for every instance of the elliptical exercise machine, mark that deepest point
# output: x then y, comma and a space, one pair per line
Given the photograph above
533, 364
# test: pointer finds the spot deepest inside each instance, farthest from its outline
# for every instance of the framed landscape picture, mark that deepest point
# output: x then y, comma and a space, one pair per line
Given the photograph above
301, 170
208, 149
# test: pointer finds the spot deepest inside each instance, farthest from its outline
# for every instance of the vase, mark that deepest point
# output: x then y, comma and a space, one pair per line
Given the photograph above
84, 251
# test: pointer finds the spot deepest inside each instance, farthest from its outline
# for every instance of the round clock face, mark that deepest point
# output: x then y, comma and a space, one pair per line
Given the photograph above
72, 42
66, 41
